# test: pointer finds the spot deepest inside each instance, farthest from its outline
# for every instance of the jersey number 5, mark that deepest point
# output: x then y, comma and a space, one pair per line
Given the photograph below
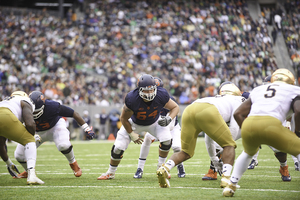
270, 92
143, 116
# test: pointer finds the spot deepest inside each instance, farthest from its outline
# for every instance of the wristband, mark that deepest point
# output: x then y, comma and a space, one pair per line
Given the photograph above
85, 126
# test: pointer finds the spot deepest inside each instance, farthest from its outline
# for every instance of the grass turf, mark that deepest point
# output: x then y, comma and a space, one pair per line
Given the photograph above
263, 182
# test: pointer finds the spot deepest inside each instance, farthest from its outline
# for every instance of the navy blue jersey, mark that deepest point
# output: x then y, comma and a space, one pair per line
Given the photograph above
146, 113
52, 113
165, 111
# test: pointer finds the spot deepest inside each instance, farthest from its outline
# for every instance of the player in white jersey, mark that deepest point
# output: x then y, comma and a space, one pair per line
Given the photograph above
261, 117
14, 111
214, 150
210, 115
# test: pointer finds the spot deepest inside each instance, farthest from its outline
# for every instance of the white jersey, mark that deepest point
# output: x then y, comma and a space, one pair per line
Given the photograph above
273, 100
225, 104
14, 104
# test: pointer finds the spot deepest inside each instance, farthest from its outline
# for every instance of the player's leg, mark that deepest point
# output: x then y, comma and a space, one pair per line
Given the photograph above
241, 164
61, 137
121, 143
16, 131
145, 148
296, 163
283, 170
176, 146
254, 161
189, 134
163, 135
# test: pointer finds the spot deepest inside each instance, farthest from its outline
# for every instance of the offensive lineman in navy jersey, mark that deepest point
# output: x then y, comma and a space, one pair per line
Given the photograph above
141, 112
50, 126
149, 139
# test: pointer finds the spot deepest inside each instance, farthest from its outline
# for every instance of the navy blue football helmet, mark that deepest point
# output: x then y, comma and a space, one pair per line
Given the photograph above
158, 82
147, 87
38, 99
267, 79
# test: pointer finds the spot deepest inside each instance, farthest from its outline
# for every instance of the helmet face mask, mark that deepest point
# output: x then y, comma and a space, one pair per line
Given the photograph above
229, 89
38, 99
284, 76
147, 87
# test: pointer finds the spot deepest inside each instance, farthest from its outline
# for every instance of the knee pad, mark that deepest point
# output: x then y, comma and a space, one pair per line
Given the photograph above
165, 146
116, 154
64, 147
176, 149
67, 150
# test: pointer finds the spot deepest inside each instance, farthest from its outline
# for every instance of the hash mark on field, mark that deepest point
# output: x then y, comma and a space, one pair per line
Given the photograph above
134, 187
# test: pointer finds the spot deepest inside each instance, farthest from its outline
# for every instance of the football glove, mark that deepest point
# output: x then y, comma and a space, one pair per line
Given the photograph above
165, 120
13, 170
218, 164
38, 138
88, 131
90, 134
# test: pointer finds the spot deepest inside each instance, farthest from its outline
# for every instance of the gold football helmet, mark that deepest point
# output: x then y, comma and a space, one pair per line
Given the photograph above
19, 93
229, 88
283, 75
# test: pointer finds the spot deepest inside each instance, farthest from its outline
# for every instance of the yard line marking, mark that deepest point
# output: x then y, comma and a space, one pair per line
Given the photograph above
134, 187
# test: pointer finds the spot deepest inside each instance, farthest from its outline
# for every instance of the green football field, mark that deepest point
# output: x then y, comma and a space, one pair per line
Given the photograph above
263, 182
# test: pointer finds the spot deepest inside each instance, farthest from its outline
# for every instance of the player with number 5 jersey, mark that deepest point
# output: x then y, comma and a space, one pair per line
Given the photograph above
141, 113
261, 118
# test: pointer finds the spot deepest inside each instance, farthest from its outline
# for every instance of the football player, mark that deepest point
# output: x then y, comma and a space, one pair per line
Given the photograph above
149, 139
214, 150
50, 126
261, 117
209, 115
14, 111
141, 113
281, 156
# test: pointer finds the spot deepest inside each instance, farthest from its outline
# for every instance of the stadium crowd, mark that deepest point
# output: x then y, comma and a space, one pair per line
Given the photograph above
95, 59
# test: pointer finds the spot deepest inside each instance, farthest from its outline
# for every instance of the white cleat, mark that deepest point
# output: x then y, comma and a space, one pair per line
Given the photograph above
32, 179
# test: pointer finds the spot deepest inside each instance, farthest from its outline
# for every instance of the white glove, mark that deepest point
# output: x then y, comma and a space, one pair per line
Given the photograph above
38, 138
218, 164
13, 170
134, 136
165, 120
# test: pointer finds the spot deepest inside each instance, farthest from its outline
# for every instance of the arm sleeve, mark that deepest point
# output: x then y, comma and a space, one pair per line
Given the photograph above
65, 111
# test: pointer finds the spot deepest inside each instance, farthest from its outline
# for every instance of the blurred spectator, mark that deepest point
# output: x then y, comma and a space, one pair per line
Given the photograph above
103, 125
76, 130
114, 118
99, 56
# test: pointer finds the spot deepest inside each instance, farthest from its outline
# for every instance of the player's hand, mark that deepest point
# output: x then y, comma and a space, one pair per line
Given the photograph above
90, 134
135, 138
13, 170
165, 120
218, 166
